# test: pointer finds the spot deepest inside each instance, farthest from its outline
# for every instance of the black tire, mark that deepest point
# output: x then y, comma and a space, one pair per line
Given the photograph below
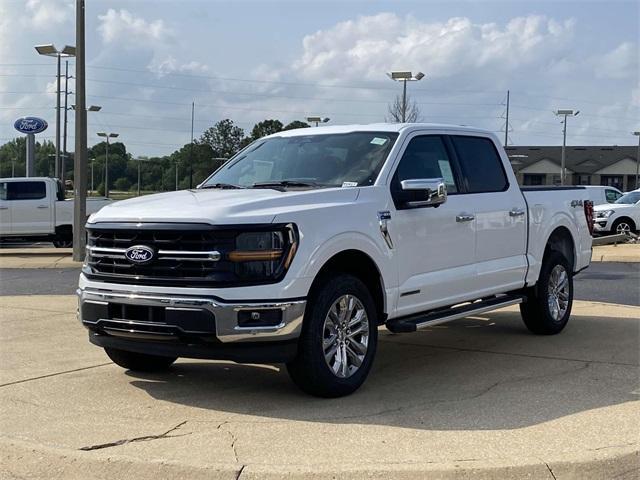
63, 238
620, 223
309, 370
537, 312
139, 361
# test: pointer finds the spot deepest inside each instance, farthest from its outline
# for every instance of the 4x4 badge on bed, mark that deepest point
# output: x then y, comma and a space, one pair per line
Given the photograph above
139, 254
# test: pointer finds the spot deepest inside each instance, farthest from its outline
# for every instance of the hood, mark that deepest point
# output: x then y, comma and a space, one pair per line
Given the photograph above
221, 207
612, 206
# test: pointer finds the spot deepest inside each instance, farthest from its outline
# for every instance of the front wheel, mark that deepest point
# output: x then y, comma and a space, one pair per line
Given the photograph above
622, 226
338, 340
139, 361
548, 305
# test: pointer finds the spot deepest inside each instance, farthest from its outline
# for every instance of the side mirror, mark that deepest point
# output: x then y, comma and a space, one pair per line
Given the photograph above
424, 192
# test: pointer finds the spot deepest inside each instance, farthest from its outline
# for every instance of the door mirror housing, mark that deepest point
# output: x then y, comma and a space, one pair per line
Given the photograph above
424, 192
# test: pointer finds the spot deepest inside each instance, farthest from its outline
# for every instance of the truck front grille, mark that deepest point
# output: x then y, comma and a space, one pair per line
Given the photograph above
186, 255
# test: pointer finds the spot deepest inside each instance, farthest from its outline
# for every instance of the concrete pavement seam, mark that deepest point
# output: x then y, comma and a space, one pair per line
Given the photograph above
53, 374
544, 357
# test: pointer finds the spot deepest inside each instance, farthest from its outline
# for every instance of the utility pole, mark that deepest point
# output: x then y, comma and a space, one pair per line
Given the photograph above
80, 156
637, 133
176, 175
506, 125
64, 134
404, 100
564, 113
92, 162
193, 107
50, 50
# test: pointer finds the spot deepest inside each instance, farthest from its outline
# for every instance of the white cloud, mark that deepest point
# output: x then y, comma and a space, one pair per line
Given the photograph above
47, 13
370, 45
619, 63
169, 64
124, 27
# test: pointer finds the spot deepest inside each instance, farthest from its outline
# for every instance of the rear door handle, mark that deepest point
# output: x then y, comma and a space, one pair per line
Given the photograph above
43, 206
465, 217
516, 212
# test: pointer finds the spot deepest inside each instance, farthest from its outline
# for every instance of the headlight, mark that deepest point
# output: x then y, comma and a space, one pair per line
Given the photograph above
605, 213
264, 255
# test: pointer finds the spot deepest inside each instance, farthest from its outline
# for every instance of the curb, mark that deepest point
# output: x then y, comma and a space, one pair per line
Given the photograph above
35, 252
22, 459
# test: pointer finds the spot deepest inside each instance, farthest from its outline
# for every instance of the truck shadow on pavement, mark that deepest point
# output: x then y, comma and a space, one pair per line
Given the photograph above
480, 373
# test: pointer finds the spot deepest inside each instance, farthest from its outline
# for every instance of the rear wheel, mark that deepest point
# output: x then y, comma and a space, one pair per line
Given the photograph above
63, 238
338, 340
139, 361
548, 305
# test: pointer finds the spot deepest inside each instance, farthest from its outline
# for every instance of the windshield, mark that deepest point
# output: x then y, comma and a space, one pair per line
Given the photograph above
308, 161
629, 198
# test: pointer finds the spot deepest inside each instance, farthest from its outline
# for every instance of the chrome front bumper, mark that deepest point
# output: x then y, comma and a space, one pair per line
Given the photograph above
224, 316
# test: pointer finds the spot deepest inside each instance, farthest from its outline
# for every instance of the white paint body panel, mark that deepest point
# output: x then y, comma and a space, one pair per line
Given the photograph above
448, 262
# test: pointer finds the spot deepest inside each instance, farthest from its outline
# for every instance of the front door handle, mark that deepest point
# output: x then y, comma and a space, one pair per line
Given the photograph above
43, 206
516, 212
4, 208
464, 217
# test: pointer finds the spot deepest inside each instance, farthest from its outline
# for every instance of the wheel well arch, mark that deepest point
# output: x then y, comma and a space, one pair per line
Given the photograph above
357, 263
562, 241
64, 229
627, 219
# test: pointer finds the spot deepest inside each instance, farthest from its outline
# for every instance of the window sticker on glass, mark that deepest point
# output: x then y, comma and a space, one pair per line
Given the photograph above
445, 171
349, 184
378, 141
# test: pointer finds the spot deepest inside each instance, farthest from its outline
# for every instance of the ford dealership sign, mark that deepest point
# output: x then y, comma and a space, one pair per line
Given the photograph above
30, 125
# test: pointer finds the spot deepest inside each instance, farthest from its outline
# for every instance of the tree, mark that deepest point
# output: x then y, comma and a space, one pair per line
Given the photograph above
122, 184
296, 124
224, 138
395, 110
266, 127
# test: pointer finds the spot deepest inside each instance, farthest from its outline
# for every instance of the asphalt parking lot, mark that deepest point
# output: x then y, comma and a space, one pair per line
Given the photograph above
477, 398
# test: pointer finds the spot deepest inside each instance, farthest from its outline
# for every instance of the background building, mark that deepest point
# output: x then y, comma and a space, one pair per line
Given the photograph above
613, 166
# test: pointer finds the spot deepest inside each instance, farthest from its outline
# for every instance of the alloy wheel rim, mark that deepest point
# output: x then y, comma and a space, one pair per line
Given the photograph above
623, 228
345, 336
558, 295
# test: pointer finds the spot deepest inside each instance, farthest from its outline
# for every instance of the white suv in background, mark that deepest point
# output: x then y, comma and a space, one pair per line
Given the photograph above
622, 216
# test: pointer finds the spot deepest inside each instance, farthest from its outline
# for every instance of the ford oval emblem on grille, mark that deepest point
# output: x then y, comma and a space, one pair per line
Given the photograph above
139, 254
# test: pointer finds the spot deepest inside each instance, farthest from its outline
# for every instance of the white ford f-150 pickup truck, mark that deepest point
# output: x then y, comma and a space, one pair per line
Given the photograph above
34, 208
299, 247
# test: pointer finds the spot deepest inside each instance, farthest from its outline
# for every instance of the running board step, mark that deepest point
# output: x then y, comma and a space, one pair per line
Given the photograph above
417, 322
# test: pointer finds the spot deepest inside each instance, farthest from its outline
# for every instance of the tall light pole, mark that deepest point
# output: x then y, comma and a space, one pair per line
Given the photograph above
106, 160
139, 160
637, 134
92, 162
404, 77
51, 51
318, 120
564, 113
92, 108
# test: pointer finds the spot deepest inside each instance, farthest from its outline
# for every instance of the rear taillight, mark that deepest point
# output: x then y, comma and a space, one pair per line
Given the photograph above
588, 213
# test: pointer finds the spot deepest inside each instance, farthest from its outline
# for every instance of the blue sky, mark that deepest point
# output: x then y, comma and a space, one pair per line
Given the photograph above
148, 60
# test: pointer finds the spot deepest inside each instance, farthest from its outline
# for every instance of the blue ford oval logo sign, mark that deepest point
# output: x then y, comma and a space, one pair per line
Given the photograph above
139, 254
30, 125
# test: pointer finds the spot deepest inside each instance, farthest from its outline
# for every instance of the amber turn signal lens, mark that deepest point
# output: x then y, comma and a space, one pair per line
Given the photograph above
254, 256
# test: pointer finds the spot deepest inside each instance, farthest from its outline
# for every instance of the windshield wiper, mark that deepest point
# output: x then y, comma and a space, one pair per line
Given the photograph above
285, 183
222, 186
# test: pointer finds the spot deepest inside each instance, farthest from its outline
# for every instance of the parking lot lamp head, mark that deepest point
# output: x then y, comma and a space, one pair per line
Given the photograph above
404, 76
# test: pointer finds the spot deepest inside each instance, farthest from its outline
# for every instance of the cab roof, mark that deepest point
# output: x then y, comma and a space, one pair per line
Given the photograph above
379, 127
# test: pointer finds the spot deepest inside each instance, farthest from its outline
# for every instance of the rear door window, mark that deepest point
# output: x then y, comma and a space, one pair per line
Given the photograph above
480, 163
26, 190
3, 190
